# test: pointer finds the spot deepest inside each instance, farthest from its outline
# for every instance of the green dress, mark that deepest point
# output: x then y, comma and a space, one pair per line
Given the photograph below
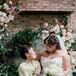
29, 69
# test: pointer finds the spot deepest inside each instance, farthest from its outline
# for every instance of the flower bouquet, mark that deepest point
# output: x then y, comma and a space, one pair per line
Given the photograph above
53, 70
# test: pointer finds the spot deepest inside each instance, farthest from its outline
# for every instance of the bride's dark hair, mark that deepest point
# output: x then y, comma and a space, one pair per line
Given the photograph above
52, 40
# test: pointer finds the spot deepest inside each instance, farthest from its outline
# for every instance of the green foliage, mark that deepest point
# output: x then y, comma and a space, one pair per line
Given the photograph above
3, 44
2, 1
8, 70
48, 74
23, 37
3, 69
64, 19
74, 74
3, 48
13, 70
73, 46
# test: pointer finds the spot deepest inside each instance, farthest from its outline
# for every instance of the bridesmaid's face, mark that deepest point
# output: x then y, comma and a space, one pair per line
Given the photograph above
32, 53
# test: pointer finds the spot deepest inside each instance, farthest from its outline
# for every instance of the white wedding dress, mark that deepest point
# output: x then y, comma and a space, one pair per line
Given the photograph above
47, 63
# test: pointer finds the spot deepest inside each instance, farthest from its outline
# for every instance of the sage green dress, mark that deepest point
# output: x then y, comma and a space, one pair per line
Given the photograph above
29, 69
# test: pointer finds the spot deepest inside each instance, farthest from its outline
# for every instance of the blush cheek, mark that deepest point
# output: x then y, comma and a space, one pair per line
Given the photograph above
34, 56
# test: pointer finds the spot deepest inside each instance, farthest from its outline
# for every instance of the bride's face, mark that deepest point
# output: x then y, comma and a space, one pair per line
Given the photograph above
50, 48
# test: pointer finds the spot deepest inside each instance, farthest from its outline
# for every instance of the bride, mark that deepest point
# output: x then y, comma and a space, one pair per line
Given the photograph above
54, 61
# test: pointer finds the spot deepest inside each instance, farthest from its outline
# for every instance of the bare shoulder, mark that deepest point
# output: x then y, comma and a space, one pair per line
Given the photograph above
43, 53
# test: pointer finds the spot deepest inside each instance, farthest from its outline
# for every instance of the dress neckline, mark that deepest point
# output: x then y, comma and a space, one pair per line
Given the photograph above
51, 58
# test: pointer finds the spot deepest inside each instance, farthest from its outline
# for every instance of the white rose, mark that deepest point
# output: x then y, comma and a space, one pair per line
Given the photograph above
7, 20
4, 14
2, 19
5, 6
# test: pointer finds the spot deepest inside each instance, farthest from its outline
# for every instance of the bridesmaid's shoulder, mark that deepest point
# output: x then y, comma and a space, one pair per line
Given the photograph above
23, 65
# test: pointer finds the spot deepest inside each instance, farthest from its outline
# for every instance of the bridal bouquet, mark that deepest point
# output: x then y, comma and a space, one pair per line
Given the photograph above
53, 70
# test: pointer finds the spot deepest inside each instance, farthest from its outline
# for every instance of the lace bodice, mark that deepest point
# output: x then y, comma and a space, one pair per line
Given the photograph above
46, 62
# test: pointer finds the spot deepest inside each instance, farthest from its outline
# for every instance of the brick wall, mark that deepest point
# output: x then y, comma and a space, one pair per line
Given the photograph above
44, 5
47, 5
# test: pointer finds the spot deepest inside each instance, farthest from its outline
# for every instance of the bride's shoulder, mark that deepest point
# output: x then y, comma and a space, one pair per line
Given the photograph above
43, 53
40, 54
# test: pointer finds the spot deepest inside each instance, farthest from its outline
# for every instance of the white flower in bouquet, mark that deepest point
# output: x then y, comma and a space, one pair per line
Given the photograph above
54, 70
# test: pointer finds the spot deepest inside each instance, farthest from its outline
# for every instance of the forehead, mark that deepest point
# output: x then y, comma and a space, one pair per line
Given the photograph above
31, 49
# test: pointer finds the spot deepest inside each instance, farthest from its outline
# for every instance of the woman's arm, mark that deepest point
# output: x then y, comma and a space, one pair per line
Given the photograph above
66, 64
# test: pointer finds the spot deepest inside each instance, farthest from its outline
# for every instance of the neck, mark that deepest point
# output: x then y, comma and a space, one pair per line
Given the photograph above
29, 60
51, 52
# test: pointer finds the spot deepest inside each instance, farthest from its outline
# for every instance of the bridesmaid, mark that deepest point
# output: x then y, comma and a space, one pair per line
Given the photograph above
30, 67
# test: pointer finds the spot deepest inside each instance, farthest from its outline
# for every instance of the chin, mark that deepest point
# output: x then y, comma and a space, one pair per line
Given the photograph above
50, 51
34, 57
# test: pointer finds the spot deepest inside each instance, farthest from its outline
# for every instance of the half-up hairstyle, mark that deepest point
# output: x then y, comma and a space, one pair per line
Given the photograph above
52, 40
